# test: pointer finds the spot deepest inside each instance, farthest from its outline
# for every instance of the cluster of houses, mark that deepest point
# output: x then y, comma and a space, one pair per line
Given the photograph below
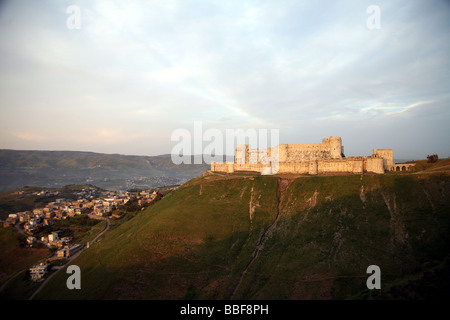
62, 209
145, 197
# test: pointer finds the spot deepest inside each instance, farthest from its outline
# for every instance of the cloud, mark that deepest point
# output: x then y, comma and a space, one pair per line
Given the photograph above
142, 69
32, 137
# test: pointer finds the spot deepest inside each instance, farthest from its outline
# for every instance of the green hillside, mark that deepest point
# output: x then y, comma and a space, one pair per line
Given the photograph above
265, 237
15, 256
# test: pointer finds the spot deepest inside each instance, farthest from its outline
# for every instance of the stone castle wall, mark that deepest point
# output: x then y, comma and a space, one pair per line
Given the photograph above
227, 167
325, 157
386, 154
330, 148
374, 164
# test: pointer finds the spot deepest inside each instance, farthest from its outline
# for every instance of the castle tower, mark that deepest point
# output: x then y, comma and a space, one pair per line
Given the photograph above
335, 146
386, 154
241, 155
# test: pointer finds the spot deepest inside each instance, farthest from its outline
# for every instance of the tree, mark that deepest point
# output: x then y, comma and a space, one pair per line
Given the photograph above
433, 158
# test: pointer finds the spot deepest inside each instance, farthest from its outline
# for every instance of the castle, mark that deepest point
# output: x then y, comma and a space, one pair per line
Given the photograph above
315, 158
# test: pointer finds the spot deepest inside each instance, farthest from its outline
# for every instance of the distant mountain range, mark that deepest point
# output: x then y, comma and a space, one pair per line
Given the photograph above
109, 171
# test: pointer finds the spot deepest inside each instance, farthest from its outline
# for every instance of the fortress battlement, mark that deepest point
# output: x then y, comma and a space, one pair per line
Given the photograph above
314, 158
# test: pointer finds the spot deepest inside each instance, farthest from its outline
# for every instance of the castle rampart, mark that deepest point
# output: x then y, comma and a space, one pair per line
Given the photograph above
316, 158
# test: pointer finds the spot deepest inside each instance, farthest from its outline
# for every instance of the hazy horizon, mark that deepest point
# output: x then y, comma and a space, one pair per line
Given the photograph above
229, 157
132, 72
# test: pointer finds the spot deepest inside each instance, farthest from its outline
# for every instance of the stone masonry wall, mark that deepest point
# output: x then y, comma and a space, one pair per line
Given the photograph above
330, 148
317, 158
386, 154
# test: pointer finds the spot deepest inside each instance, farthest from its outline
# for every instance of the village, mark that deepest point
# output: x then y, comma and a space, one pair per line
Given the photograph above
90, 202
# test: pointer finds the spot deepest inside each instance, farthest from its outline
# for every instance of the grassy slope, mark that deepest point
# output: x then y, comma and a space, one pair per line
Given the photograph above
334, 228
196, 242
422, 165
14, 257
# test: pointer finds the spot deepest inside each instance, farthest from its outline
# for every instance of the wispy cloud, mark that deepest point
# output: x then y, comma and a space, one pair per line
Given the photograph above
31, 137
142, 69
405, 109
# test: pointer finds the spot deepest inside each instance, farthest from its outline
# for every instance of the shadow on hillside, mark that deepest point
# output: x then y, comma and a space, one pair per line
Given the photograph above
330, 230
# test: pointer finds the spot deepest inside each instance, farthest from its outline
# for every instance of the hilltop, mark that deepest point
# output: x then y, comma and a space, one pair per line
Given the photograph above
245, 236
108, 171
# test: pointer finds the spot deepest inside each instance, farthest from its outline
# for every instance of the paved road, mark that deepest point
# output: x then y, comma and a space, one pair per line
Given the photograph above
69, 260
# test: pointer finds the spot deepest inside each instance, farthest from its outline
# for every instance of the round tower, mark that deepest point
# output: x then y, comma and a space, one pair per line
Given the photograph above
335, 145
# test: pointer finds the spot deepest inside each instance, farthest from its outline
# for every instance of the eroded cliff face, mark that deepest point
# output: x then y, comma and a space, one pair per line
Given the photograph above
267, 237
331, 229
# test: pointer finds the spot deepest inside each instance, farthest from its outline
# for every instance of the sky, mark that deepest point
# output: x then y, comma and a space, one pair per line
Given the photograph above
122, 76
